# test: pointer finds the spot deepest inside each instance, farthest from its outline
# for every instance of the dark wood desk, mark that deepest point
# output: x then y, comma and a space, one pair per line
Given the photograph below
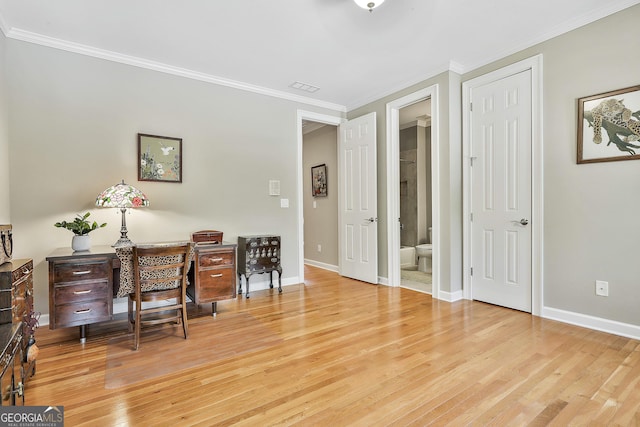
82, 285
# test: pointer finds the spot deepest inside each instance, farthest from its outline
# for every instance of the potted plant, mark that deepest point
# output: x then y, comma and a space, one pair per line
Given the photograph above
81, 229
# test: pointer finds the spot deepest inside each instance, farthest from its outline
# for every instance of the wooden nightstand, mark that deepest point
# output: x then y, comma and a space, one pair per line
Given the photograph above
213, 276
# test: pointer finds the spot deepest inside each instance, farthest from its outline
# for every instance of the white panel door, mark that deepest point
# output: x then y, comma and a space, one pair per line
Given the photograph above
501, 192
358, 202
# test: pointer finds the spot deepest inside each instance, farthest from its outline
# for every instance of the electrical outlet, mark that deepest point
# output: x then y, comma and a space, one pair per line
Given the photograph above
602, 288
319, 248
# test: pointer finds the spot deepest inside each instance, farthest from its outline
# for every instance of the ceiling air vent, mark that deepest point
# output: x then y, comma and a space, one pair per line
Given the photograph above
304, 86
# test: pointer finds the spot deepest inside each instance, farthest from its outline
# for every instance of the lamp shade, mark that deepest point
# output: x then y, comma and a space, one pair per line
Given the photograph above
369, 4
122, 196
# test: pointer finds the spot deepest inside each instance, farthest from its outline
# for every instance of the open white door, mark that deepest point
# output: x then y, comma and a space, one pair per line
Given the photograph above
358, 202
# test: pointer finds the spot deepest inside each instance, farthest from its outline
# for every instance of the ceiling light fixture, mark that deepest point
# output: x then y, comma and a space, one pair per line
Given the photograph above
369, 4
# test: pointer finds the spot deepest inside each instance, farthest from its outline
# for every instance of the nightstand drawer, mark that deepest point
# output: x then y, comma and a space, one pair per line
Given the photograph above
76, 271
67, 294
217, 284
82, 313
215, 259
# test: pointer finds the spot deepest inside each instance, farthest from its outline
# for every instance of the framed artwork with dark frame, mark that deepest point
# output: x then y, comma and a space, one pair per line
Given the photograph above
609, 126
319, 180
159, 158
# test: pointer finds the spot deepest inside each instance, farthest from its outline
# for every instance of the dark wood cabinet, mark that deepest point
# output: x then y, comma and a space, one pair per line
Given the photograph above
12, 375
258, 254
16, 305
213, 275
81, 287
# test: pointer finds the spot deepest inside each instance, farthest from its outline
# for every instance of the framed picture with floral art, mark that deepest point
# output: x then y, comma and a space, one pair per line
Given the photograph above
319, 181
159, 158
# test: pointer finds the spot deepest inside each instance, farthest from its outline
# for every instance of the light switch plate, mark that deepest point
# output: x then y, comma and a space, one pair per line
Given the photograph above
274, 187
284, 203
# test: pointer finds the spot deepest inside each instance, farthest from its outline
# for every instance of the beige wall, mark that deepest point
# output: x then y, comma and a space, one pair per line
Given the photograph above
74, 121
321, 221
5, 205
590, 210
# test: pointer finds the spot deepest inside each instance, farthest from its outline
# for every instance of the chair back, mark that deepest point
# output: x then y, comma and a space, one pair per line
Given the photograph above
160, 267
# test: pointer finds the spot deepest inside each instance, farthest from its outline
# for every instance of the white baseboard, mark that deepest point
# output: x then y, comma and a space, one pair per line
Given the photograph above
450, 296
592, 322
322, 265
43, 320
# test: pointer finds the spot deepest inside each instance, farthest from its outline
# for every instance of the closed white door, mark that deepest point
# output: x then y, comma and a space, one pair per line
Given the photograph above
501, 192
358, 203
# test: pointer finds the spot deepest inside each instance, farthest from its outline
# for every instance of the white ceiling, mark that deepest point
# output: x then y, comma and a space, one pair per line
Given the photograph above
352, 55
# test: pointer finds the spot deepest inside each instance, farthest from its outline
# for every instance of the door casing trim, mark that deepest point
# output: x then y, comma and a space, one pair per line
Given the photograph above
393, 184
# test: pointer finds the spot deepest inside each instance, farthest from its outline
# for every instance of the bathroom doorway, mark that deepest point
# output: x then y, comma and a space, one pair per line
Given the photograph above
415, 191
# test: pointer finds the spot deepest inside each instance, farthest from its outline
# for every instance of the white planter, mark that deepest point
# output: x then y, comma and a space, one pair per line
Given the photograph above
81, 243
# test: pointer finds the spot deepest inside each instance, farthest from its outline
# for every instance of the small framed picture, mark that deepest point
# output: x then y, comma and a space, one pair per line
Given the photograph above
159, 158
319, 181
609, 126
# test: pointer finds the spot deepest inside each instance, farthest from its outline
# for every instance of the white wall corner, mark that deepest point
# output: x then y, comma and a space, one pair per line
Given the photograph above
449, 296
456, 67
3, 26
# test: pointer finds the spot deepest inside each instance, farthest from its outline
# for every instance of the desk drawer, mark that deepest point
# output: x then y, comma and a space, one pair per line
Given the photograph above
217, 284
215, 259
72, 272
67, 294
82, 313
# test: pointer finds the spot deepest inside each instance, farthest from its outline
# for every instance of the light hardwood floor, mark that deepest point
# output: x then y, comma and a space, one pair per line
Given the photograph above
357, 354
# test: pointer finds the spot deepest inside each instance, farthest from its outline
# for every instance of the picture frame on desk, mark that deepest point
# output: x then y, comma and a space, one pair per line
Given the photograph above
159, 158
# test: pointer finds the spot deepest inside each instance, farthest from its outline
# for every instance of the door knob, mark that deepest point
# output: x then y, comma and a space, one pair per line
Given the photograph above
372, 219
524, 221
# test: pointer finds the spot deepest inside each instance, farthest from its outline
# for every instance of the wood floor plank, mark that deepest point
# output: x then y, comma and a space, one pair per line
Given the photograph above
349, 353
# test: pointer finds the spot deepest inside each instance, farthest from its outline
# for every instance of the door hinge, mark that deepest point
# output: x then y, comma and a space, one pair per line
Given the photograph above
471, 106
471, 217
472, 271
471, 159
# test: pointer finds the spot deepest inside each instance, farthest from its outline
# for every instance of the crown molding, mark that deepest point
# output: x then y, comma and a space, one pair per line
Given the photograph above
39, 39
565, 27
405, 84
3, 26
456, 67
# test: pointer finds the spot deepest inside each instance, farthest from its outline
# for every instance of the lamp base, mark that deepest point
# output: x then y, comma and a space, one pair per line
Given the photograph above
122, 242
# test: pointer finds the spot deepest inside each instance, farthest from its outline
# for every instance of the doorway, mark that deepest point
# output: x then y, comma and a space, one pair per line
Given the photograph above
416, 242
320, 208
302, 117
394, 188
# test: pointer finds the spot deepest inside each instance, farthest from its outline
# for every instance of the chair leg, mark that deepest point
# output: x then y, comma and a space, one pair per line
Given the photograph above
136, 326
183, 310
129, 314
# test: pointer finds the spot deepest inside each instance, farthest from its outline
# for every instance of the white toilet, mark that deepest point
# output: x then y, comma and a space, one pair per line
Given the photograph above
424, 253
